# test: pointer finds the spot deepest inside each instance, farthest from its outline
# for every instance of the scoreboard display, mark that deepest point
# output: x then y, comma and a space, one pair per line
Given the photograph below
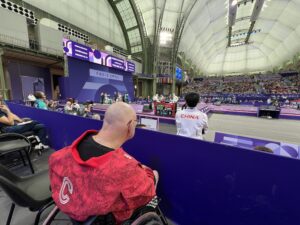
165, 109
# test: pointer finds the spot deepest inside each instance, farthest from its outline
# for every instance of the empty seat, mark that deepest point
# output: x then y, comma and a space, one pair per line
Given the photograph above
12, 142
31, 191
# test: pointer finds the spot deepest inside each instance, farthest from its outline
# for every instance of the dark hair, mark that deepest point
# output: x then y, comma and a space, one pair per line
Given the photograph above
263, 149
70, 100
88, 102
192, 99
38, 95
140, 125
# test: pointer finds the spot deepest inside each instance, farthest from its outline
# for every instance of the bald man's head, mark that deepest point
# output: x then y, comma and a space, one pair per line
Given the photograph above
117, 113
118, 126
120, 119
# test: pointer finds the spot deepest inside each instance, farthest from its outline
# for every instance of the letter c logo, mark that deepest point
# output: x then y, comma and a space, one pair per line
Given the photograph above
64, 198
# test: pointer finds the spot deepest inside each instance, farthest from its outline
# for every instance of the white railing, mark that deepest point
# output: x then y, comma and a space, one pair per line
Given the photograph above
30, 44
13, 41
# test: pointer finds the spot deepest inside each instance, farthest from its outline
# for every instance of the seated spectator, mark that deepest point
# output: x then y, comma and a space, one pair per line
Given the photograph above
31, 99
75, 105
95, 176
155, 98
88, 109
96, 117
40, 102
52, 105
11, 123
191, 122
68, 106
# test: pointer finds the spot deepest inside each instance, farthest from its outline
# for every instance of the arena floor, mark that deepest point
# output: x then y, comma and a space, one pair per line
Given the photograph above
268, 129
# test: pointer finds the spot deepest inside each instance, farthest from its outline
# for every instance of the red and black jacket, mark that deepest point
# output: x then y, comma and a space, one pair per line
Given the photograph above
114, 182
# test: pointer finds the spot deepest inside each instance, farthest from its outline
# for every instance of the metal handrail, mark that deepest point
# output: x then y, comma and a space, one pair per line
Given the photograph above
30, 44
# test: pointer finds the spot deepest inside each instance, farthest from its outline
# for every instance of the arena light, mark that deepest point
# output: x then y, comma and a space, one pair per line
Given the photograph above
234, 3
165, 37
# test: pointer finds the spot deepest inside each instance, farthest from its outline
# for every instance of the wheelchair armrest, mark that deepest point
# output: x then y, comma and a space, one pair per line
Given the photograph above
26, 119
89, 221
13, 136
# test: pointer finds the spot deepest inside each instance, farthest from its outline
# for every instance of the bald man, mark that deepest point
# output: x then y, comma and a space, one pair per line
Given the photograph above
95, 176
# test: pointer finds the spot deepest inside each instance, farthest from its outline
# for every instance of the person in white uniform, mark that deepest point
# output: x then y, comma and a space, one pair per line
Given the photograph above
191, 122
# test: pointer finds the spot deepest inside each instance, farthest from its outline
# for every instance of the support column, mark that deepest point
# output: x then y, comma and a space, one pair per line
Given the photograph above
3, 87
154, 85
137, 87
174, 79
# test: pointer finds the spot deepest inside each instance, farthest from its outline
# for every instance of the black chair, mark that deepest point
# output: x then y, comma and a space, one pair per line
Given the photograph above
34, 139
13, 142
31, 191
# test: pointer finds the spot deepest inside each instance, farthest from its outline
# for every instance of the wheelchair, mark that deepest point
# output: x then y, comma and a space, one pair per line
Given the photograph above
145, 215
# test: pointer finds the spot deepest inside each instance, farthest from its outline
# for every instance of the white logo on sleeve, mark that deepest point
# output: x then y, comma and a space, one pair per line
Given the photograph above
64, 198
127, 156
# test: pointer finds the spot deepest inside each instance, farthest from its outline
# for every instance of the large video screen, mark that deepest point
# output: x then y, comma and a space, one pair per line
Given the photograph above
178, 73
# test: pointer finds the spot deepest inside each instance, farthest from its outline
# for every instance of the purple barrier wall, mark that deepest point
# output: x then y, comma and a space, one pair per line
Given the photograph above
279, 148
202, 182
87, 80
24, 79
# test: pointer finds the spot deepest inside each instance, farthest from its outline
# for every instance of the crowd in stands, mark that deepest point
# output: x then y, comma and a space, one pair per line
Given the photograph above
283, 85
280, 90
69, 106
245, 84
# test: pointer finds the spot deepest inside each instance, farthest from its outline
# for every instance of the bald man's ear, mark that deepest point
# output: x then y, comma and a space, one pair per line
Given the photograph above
128, 130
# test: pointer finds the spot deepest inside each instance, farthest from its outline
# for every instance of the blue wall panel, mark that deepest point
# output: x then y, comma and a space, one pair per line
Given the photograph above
82, 85
17, 69
202, 183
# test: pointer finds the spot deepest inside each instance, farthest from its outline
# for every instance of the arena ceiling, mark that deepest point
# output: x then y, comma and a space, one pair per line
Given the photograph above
219, 36
94, 16
222, 37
